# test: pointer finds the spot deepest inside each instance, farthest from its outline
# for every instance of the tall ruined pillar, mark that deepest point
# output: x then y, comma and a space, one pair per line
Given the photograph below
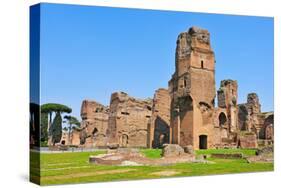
192, 89
253, 103
227, 98
254, 108
159, 127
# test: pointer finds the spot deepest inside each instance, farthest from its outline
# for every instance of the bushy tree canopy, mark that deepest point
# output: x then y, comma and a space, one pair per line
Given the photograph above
72, 120
54, 107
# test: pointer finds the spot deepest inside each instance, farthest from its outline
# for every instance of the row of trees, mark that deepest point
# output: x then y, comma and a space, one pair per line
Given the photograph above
51, 128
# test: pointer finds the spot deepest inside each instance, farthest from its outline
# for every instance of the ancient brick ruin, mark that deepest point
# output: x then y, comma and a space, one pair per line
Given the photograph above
129, 120
183, 114
92, 132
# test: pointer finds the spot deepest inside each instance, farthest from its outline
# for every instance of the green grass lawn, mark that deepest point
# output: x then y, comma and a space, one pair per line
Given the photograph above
245, 152
152, 153
63, 168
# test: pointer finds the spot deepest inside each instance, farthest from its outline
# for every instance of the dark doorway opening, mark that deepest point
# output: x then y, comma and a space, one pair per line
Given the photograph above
63, 142
203, 142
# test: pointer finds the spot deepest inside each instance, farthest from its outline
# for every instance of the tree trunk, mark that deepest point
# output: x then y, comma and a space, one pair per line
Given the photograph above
49, 132
69, 129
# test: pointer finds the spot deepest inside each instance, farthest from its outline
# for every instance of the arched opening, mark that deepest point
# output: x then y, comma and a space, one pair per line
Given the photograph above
222, 119
203, 142
63, 142
95, 132
161, 133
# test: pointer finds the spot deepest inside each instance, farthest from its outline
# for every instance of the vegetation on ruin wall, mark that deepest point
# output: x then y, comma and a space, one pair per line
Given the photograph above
60, 168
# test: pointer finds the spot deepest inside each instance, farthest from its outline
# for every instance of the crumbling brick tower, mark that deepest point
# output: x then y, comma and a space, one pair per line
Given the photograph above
192, 90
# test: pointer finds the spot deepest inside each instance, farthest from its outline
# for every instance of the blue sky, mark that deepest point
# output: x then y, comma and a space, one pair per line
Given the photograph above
89, 52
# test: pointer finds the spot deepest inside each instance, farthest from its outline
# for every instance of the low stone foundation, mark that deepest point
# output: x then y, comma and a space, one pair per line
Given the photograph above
132, 157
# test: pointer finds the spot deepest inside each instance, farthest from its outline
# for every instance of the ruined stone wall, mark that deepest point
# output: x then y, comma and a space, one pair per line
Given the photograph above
203, 126
253, 103
247, 140
249, 118
129, 119
252, 120
94, 124
227, 93
185, 114
65, 138
243, 118
75, 137
269, 126
221, 128
265, 126
160, 119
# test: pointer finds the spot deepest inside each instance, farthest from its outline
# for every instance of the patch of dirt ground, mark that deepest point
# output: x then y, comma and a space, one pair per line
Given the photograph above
86, 174
165, 173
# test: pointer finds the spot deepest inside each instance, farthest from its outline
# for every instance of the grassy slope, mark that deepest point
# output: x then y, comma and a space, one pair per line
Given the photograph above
74, 167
